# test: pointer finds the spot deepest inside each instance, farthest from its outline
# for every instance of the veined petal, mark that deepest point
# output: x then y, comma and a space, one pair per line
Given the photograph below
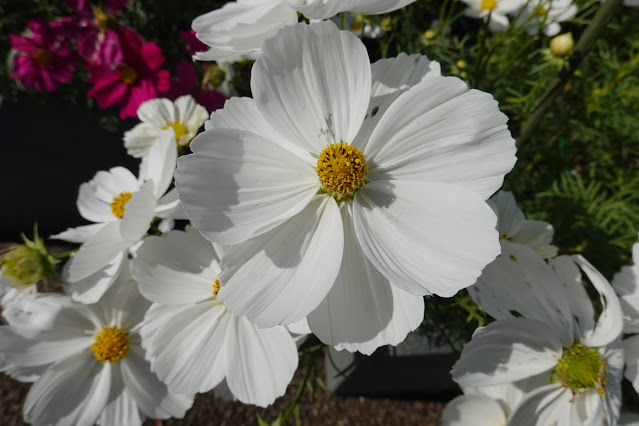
548, 405
170, 206
78, 234
91, 288
519, 282
73, 391
312, 84
138, 214
425, 237
441, 131
390, 78
473, 410
187, 352
121, 411
139, 139
90, 206
237, 185
280, 277
507, 350
631, 351
363, 310
259, 362
626, 285
158, 164
177, 268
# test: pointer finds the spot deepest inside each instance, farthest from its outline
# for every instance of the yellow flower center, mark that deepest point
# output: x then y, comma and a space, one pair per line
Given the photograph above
43, 57
179, 129
541, 11
488, 4
111, 345
118, 204
128, 74
216, 289
356, 25
581, 367
505, 237
341, 169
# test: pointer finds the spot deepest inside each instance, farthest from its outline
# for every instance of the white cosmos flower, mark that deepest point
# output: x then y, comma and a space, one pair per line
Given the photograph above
489, 405
546, 325
240, 27
125, 206
626, 285
546, 15
94, 368
317, 242
184, 116
495, 10
513, 226
192, 340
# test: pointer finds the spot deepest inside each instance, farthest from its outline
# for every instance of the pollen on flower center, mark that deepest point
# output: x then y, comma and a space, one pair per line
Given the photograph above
488, 4
128, 74
582, 367
119, 202
179, 129
341, 168
111, 345
43, 57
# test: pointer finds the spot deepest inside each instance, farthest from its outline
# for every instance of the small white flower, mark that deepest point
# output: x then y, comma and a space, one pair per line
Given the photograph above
93, 367
353, 189
124, 207
546, 15
493, 11
546, 325
240, 27
184, 116
513, 226
193, 341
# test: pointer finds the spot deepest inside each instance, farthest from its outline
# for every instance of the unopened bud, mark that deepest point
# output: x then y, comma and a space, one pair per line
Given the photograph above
562, 45
28, 263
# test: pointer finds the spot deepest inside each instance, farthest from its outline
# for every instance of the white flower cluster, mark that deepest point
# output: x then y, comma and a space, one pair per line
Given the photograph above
329, 203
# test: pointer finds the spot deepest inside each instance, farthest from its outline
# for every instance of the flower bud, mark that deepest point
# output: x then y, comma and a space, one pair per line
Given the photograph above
562, 45
28, 263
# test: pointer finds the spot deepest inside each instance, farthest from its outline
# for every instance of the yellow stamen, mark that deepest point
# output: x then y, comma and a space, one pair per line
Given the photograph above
128, 74
179, 129
43, 57
581, 367
541, 11
111, 345
118, 204
341, 169
488, 4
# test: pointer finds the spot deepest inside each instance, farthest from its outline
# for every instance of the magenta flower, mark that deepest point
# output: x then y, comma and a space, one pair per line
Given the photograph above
193, 45
44, 57
137, 78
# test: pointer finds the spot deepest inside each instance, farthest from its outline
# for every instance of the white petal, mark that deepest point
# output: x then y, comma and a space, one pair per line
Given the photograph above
237, 185
158, 164
509, 215
473, 410
79, 234
150, 394
280, 277
187, 353
138, 214
507, 350
441, 131
243, 114
170, 206
548, 405
139, 139
610, 322
73, 391
425, 237
363, 311
121, 411
614, 356
90, 206
176, 268
519, 282
91, 288
114, 182
312, 84
631, 349
259, 362
390, 78
157, 112
626, 285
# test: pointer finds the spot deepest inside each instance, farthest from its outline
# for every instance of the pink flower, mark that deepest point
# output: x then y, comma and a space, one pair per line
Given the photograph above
44, 57
137, 78
84, 8
193, 45
185, 83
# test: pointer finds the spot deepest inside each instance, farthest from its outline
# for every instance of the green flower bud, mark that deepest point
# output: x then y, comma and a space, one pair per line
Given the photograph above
28, 263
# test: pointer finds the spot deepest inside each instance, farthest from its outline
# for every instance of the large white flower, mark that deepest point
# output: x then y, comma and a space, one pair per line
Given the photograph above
94, 366
546, 15
184, 116
546, 325
329, 176
240, 27
192, 340
124, 207
513, 226
493, 11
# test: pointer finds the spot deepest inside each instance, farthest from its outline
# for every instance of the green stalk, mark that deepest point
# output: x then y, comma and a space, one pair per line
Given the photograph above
585, 43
